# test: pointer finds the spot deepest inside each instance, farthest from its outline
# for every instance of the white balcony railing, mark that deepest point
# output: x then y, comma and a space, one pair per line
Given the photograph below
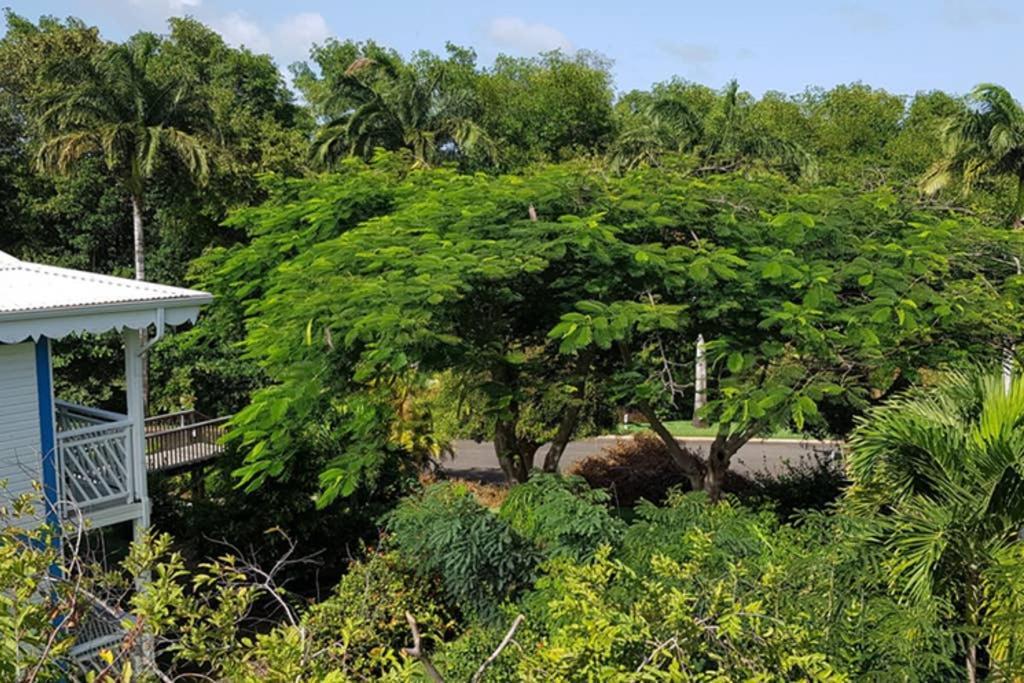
95, 457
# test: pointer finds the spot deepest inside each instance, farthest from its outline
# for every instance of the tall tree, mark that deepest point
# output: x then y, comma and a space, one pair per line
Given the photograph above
384, 102
119, 106
986, 139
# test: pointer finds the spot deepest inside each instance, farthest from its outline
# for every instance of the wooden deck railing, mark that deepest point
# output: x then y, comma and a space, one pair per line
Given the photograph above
182, 439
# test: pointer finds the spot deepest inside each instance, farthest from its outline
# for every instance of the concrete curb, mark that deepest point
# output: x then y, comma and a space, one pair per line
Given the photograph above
709, 439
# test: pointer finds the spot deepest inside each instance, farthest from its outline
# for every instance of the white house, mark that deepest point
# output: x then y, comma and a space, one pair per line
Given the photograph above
88, 461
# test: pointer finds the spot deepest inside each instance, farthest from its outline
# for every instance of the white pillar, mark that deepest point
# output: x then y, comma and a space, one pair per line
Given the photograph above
700, 382
136, 413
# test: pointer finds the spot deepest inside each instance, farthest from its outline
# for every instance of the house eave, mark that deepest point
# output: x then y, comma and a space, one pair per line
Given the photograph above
55, 323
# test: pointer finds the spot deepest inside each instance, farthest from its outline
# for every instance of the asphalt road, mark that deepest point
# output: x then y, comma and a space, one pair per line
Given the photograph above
477, 460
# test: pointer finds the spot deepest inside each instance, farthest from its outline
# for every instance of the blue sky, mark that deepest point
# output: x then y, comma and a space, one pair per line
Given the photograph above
901, 45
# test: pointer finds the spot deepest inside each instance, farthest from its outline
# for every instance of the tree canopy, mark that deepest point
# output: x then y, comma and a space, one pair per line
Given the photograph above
528, 287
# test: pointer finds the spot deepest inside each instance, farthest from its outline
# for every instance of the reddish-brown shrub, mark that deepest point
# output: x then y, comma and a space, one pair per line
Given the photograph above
639, 467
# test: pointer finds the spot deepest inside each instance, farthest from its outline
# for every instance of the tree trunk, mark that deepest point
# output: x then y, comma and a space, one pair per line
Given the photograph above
718, 467
565, 430
720, 455
1018, 206
972, 616
1008, 354
687, 462
515, 464
700, 383
138, 242
139, 247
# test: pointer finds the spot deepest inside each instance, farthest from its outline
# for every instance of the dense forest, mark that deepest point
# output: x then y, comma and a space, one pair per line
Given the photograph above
406, 250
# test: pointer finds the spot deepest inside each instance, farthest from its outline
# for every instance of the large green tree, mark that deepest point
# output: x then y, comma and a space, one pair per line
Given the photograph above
726, 132
814, 304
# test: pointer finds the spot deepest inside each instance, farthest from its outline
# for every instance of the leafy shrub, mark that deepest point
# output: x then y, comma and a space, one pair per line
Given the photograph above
367, 613
562, 515
459, 659
728, 593
639, 468
631, 469
479, 558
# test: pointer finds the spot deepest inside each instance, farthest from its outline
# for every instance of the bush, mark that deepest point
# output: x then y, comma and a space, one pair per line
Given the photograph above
728, 593
807, 485
562, 515
639, 468
480, 560
367, 612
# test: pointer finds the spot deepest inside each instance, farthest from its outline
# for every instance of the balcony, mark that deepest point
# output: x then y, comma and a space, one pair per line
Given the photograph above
95, 460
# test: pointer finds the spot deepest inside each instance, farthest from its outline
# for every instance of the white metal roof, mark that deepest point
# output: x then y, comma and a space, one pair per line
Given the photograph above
39, 300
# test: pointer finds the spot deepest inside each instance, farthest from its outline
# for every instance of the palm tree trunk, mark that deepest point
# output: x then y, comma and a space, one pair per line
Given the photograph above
139, 247
1018, 206
700, 383
972, 609
137, 236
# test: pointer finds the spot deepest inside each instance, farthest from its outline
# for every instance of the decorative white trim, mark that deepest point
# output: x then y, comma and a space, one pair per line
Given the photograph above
58, 326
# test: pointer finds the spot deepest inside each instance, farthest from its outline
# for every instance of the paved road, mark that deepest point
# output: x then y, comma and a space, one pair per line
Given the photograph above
477, 460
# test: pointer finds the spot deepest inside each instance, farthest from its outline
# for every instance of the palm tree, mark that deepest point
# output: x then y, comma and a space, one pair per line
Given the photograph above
987, 139
723, 140
114, 106
940, 473
398, 106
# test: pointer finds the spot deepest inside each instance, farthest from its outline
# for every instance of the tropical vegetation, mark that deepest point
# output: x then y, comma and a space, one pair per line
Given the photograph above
411, 251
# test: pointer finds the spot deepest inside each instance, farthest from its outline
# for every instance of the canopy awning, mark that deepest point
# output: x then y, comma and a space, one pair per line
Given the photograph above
46, 301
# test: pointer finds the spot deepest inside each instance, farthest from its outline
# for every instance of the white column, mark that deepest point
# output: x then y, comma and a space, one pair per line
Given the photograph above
700, 382
136, 413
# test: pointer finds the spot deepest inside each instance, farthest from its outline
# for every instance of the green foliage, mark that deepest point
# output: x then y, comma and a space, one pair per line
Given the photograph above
31, 645
480, 559
700, 593
938, 472
562, 516
367, 611
426, 106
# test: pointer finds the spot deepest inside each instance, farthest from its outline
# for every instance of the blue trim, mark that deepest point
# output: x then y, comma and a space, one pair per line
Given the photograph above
47, 431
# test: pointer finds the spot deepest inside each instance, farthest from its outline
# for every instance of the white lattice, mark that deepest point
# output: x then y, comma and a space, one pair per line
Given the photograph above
96, 464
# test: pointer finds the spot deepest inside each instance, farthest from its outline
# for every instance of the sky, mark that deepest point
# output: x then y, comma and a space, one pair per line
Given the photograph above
903, 46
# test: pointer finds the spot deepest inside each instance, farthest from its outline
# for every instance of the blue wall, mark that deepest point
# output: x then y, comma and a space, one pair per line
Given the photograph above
48, 434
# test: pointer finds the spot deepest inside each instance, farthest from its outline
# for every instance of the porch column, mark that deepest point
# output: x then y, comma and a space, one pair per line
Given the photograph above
136, 413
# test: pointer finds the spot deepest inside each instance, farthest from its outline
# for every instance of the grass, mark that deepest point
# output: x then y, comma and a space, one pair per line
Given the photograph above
685, 428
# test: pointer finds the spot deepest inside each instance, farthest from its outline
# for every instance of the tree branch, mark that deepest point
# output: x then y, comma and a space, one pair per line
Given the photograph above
501, 646
416, 651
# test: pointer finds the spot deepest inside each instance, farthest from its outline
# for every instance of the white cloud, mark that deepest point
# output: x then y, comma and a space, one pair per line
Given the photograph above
167, 6
239, 30
529, 37
287, 40
295, 34
692, 53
